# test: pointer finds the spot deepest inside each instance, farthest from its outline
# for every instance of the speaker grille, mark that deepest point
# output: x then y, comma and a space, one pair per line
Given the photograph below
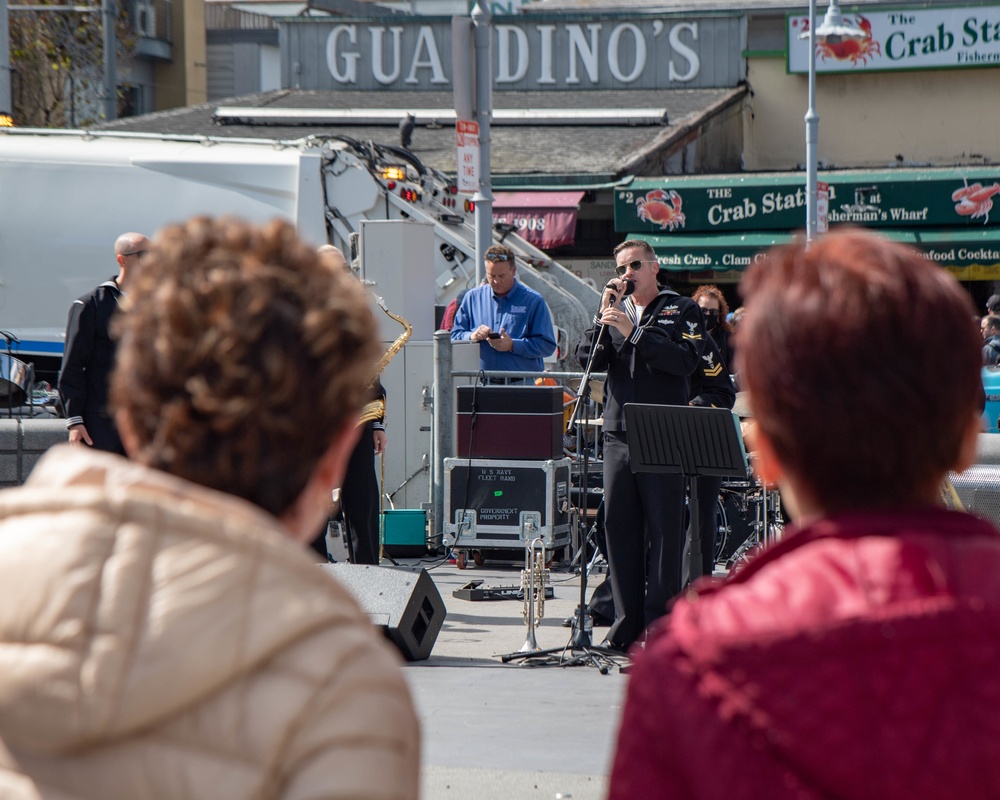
979, 490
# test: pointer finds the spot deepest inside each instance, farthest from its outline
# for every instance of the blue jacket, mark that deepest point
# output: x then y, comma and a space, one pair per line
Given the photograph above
522, 314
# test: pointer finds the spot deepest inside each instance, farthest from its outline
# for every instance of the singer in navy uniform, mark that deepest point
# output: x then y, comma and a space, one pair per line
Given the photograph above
649, 343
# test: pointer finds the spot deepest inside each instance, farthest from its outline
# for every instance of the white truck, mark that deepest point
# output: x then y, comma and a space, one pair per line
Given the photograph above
67, 195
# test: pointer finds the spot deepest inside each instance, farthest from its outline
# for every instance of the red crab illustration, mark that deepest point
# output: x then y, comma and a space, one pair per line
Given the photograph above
661, 208
974, 201
849, 49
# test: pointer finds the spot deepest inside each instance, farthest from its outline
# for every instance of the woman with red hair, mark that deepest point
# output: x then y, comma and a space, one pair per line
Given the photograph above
715, 311
856, 657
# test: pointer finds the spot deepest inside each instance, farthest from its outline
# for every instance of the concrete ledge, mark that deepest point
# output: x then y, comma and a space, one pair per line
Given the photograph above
22, 443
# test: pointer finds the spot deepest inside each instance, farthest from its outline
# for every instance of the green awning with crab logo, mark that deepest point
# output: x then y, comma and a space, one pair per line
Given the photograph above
893, 199
723, 223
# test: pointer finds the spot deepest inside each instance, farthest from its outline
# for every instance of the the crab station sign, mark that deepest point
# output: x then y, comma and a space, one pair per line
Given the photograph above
919, 38
945, 198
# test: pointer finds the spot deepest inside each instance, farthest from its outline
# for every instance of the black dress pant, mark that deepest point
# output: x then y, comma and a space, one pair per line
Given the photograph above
359, 503
644, 524
708, 523
104, 433
359, 500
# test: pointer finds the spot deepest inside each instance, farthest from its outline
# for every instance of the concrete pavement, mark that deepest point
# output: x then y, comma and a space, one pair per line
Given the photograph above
496, 731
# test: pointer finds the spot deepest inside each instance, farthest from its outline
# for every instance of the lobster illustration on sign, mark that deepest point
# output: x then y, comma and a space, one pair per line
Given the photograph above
975, 201
849, 48
661, 208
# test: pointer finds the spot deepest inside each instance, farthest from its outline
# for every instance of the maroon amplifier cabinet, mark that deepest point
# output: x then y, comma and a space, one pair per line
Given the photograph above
521, 422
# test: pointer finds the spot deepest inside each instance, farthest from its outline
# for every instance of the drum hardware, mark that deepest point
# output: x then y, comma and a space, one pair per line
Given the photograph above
752, 503
722, 529
767, 526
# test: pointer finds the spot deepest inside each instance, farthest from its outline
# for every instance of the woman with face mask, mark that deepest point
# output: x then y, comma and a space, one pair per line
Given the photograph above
715, 311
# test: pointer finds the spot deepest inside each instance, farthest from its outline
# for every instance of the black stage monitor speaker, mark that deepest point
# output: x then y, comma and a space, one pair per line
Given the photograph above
519, 422
406, 604
979, 490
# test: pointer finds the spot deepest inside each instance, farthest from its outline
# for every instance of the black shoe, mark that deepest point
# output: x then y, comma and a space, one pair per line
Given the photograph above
570, 622
607, 644
600, 621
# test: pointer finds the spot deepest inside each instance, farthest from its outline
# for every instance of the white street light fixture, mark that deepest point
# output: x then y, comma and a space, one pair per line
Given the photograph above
832, 31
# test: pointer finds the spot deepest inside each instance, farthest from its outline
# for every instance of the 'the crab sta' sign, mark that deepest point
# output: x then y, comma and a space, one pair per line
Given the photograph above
940, 198
904, 39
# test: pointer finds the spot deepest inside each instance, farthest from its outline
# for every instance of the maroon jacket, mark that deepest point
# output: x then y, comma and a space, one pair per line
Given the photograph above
858, 658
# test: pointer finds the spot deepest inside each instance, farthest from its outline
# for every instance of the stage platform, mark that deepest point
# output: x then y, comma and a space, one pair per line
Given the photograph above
495, 731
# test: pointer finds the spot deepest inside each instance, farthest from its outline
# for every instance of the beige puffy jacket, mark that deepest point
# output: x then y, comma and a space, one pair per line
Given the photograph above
160, 640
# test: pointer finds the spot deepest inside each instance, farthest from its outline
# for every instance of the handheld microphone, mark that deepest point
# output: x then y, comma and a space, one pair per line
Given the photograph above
629, 288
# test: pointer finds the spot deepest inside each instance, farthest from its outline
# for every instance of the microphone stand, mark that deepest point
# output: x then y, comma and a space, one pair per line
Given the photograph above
580, 650
583, 391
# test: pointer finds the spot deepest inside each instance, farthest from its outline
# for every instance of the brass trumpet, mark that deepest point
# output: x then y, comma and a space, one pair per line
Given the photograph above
534, 578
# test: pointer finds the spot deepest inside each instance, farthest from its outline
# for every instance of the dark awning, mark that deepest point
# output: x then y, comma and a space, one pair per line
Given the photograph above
546, 219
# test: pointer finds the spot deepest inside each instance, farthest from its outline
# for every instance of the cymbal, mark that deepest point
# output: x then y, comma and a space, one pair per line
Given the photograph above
596, 388
742, 407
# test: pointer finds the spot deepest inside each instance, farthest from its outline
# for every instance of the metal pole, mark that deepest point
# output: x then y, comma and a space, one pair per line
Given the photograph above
812, 131
110, 61
484, 112
6, 99
441, 440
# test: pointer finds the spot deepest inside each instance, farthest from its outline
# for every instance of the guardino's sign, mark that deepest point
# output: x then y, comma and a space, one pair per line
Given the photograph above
535, 54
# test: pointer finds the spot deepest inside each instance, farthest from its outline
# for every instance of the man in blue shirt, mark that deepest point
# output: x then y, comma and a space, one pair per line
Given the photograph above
510, 321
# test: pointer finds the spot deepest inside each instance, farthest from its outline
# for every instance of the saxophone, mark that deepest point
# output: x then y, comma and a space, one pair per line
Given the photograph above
376, 408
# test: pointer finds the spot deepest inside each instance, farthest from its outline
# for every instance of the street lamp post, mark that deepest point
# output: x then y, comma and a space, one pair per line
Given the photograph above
812, 131
481, 18
832, 30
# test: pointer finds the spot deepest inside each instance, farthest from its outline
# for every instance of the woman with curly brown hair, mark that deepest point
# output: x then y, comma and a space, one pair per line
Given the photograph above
163, 634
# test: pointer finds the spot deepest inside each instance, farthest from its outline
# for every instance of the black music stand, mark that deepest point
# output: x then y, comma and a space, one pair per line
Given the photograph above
686, 440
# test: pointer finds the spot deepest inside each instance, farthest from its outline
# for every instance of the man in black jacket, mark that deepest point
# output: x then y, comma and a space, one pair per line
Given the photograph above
89, 355
650, 344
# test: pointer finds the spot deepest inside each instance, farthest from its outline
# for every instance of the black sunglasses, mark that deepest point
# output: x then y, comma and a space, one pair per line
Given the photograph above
634, 265
137, 253
495, 257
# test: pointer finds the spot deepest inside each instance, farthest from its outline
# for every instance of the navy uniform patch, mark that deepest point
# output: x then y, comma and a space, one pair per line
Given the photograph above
692, 332
711, 369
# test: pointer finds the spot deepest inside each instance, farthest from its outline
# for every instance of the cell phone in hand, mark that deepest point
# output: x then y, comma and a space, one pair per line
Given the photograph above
493, 335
